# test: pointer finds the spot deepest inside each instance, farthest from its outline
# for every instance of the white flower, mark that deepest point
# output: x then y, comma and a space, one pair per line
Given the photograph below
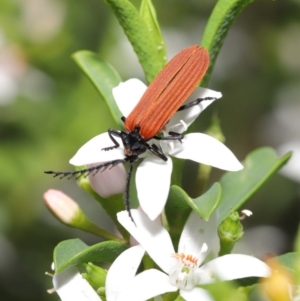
153, 175
180, 270
71, 286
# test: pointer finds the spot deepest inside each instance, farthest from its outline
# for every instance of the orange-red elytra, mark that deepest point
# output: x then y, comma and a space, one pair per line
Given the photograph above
168, 91
163, 98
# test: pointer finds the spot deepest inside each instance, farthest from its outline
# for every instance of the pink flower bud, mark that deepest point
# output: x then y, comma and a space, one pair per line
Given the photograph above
109, 182
61, 206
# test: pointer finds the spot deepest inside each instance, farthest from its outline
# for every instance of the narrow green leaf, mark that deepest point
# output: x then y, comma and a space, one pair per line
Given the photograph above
291, 261
103, 76
74, 251
179, 298
170, 296
239, 187
139, 36
206, 204
148, 14
217, 27
178, 165
226, 290
177, 211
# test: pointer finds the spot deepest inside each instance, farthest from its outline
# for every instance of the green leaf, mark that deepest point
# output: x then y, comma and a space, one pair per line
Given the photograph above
217, 27
176, 178
139, 36
226, 291
179, 298
66, 250
177, 211
170, 296
179, 204
103, 76
206, 204
239, 187
291, 261
74, 251
148, 14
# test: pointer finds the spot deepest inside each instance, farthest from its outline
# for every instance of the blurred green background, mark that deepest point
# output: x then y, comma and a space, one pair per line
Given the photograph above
48, 110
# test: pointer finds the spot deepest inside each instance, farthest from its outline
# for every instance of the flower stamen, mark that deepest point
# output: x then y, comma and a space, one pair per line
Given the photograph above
184, 273
186, 260
245, 213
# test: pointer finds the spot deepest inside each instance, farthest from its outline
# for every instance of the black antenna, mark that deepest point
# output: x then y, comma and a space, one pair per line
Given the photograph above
101, 167
85, 172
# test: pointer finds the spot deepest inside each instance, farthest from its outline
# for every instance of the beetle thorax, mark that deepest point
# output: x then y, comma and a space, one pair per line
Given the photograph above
134, 144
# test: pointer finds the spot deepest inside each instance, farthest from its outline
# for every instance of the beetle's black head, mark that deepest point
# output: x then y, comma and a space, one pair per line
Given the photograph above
134, 143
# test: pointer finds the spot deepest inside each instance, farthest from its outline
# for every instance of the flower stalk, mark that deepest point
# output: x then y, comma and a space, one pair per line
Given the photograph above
67, 211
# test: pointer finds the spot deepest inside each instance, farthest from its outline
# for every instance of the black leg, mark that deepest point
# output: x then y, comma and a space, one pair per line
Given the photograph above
173, 136
111, 133
194, 103
154, 149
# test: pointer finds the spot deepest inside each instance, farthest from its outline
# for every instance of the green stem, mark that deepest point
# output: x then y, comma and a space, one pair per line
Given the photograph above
203, 174
90, 227
225, 247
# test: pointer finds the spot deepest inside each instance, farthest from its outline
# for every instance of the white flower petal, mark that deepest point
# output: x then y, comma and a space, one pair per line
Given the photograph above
92, 152
153, 178
70, 286
196, 294
122, 272
189, 115
146, 285
151, 235
128, 94
110, 181
206, 150
195, 233
235, 266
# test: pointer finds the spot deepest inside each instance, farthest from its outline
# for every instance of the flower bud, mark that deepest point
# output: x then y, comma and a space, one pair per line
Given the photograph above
109, 182
230, 231
68, 212
62, 207
95, 275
